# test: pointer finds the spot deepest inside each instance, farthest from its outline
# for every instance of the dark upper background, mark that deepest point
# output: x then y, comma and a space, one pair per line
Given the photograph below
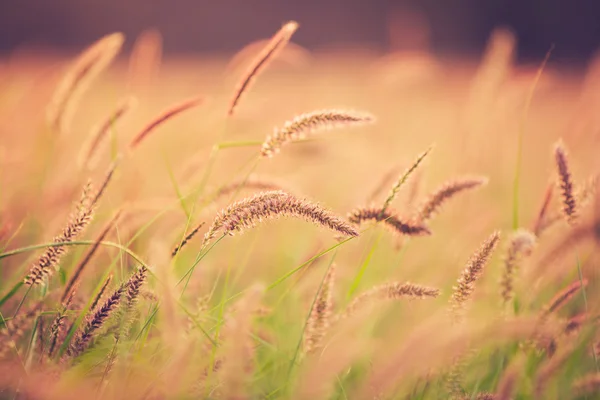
194, 26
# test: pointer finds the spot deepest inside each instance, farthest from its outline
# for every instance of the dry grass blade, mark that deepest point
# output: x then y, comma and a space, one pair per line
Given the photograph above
520, 246
78, 221
444, 193
163, 117
389, 291
309, 123
89, 154
319, 319
473, 271
87, 66
390, 219
277, 42
248, 212
402, 179
565, 183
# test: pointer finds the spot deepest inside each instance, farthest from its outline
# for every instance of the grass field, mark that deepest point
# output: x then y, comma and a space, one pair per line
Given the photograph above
355, 291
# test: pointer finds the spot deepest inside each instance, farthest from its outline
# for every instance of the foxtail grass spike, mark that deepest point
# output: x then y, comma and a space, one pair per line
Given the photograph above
319, 319
444, 193
309, 123
189, 237
403, 178
565, 183
248, 212
563, 296
521, 244
263, 59
389, 219
469, 276
541, 222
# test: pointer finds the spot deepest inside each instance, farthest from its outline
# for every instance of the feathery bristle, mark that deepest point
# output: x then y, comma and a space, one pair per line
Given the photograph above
78, 221
271, 205
90, 152
563, 296
163, 117
309, 123
189, 237
268, 54
473, 271
402, 179
320, 315
565, 183
520, 245
58, 325
389, 291
390, 219
444, 193
87, 66
95, 322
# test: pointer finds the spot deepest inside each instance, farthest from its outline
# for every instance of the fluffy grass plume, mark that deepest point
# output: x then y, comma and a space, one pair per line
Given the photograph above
78, 77
15, 329
262, 60
542, 220
145, 60
163, 117
90, 153
78, 221
389, 219
444, 193
520, 245
402, 179
469, 276
248, 212
563, 296
320, 315
305, 124
57, 329
389, 291
565, 183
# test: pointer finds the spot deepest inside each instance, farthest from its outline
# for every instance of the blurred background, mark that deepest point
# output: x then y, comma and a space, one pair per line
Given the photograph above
458, 27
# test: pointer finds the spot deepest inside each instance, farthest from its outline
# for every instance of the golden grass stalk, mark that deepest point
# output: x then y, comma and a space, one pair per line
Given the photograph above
309, 123
248, 212
444, 193
402, 179
562, 297
389, 291
78, 77
320, 315
473, 271
390, 220
565, 183
145, 59
587, 385
97, 140
521, 244
163, 117
541, 222
78, 221
86, 259
263, 59
189, 237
